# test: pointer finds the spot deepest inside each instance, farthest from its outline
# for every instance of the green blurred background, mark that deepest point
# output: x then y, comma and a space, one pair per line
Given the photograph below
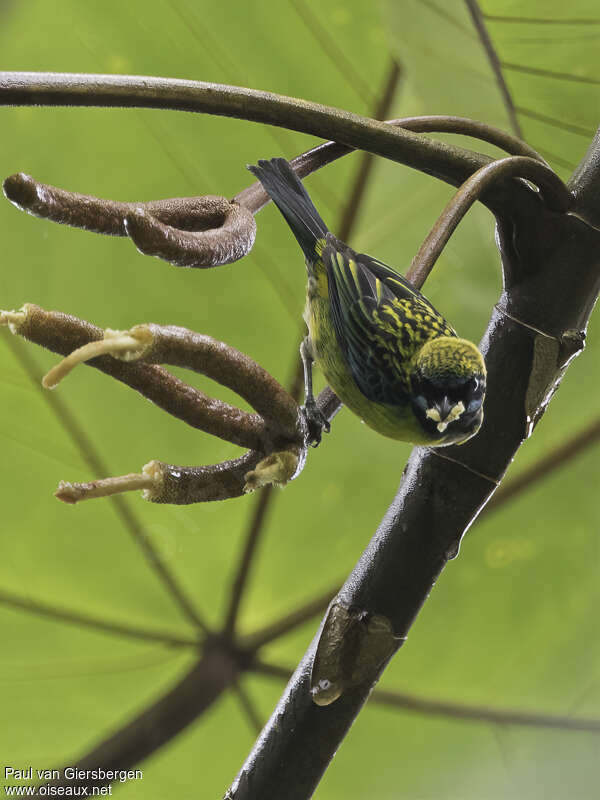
512, 622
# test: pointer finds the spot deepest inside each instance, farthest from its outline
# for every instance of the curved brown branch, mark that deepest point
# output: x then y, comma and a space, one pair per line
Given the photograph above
452, 164
63, 333
224, 364
556, 195
254, 196
275, 436
185, 231
209, 231
231, 236
449, 163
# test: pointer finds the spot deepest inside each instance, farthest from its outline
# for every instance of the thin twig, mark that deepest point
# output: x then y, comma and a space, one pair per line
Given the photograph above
492, 55
475, 713
358, 189
547, 73
89, 621
241, 579
462, 711
289, 622
543, 20
555, 122
555, 459
248, 707
334, 52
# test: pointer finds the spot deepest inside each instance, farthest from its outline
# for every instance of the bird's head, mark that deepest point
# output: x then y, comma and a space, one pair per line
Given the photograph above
448, 387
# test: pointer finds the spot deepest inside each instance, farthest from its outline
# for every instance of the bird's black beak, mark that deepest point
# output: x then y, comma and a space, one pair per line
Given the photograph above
443, 412
444, 407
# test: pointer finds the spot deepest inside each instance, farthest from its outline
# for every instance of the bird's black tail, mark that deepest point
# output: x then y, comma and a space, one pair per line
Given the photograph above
291, 198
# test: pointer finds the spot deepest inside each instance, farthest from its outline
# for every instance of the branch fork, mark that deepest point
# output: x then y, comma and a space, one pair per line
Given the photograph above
275, 435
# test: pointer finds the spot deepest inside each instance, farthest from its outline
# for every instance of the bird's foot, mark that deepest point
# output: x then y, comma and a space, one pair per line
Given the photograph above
315, 423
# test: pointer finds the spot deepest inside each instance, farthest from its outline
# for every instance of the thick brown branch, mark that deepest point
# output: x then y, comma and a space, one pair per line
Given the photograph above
550, 462
451, 164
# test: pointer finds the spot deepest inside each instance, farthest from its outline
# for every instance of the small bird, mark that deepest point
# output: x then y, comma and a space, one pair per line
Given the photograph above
383, 348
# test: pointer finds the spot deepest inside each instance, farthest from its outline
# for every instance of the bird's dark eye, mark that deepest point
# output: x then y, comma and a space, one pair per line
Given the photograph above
473, 396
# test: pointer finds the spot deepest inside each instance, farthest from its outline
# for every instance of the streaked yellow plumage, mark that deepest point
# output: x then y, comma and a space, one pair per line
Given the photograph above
383, 348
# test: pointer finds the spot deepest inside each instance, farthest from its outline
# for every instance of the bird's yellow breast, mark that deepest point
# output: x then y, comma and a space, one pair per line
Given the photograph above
394, 421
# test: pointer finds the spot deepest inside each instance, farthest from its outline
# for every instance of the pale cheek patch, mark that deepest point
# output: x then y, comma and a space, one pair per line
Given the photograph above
442, 424
433, 413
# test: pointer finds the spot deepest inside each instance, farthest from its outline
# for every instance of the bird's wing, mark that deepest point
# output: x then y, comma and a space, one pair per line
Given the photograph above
380, 321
